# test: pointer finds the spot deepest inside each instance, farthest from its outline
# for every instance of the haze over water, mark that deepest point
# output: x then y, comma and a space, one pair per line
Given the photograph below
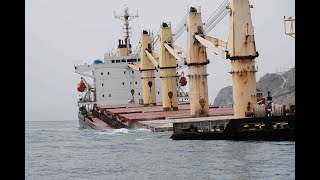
60, 150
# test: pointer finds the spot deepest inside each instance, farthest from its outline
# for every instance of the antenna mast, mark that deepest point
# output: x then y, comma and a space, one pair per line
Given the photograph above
126, 28
291, 30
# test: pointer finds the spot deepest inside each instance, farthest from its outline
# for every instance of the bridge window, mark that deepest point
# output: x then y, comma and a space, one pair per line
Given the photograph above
136, 82
158, 92
122, 83
138, 93
132, 72
102, 95
124, 72
117, 61
102, 84
130, 82
108, 73
109, 95
132, 60
123, 60
112, 61
101, 73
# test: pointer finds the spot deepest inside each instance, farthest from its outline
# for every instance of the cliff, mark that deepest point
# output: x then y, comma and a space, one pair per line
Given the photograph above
281, 86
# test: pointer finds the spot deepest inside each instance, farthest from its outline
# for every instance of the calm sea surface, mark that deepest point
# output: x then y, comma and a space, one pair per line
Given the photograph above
60, 150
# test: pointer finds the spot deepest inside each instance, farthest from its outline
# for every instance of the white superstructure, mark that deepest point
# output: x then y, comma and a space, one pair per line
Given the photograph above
114, 80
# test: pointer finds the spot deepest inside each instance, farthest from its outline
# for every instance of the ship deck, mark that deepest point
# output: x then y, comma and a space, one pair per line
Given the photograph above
102, 125
155, 118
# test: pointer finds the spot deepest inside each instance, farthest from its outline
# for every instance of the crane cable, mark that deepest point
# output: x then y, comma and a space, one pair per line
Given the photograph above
216, 17
216, 13
177, 32
218, 20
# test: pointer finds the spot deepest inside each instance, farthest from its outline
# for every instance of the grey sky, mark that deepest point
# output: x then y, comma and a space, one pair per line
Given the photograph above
60, 32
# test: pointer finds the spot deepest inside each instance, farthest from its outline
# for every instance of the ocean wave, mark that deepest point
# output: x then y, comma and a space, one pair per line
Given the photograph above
142, 129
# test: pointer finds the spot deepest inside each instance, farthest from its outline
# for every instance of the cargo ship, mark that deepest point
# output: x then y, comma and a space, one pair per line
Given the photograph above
146, 89
114, 85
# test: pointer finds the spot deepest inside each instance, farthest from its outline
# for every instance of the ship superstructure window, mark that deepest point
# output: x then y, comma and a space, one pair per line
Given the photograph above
124, 72
102, 95
102, 84
132, 72
130, 82
101, 73
109, 95
117, 61
112, 61
108, 73
122, 83
132, 60
138, 93
123, 60
158, 92
136, 82
138, 60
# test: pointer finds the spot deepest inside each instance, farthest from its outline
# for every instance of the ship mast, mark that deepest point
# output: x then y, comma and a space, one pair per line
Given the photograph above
126, 28
291, 30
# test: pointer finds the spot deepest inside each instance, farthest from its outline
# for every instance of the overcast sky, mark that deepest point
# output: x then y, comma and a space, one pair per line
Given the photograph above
61, 32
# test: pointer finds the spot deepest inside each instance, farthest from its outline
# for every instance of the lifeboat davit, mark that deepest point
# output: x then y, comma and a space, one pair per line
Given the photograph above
81, 86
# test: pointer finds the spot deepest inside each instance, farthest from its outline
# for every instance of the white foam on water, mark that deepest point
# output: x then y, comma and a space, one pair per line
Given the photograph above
142, 129
102, 133
142, 139
113, 131
120, 131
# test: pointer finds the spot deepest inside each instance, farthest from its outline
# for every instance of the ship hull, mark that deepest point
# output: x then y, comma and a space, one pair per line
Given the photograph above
274, 135
85, 123
235, 131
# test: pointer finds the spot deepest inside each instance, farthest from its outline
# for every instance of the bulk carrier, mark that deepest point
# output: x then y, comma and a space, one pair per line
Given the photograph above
117, 85
148, 89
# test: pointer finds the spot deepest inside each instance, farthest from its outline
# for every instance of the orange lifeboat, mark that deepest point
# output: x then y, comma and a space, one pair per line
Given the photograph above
81, 86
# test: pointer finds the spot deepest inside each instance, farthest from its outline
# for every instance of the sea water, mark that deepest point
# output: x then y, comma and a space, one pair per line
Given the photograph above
61, 150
